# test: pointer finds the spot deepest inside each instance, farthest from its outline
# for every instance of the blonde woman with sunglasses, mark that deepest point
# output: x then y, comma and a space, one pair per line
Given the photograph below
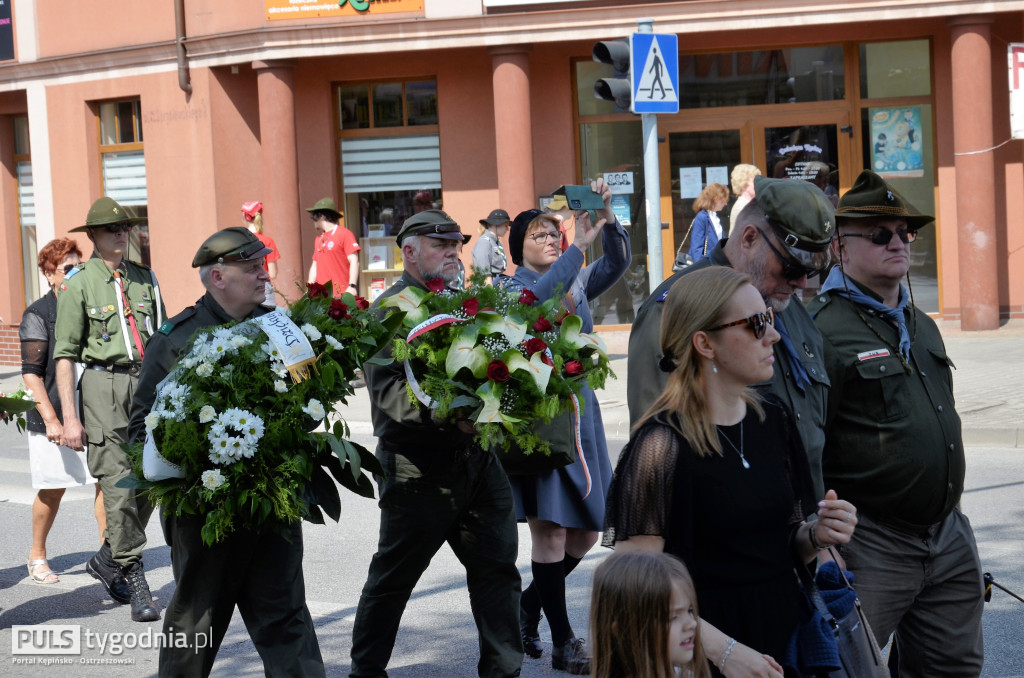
716, 475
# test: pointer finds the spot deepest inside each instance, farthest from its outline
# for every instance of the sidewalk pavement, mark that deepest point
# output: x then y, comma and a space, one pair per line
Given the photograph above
987, 384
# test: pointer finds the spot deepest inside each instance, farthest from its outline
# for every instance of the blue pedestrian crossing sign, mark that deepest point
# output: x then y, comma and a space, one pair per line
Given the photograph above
655, 72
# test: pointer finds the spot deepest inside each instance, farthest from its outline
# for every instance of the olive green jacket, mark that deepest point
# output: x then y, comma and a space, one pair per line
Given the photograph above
92, 323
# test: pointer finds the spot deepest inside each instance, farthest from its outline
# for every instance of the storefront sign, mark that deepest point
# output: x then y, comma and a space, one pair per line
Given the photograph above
307, 9
896, 141
1016, 58
6, 31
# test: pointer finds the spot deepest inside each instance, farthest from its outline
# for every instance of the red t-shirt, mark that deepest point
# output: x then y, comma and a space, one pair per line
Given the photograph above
330, 254
268, 242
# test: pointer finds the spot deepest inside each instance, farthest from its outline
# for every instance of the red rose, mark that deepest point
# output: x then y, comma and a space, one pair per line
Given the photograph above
562, 315
497, 371
315, 290
527, 297
574, 367
535, 344
542, 325
470, 306
338, 309
435, 285
362, 304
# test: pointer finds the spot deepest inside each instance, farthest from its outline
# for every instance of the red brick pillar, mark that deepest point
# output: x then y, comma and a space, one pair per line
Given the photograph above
512, 128
280, 169
975, 172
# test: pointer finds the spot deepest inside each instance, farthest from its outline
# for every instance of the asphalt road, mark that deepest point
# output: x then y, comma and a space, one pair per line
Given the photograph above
437, 638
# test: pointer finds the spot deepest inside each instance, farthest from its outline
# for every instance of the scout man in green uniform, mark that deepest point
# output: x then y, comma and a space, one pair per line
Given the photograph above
893, 444
105, 316
259, 572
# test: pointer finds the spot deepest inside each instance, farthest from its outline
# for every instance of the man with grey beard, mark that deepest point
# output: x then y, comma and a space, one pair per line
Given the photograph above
780, 240
440, 487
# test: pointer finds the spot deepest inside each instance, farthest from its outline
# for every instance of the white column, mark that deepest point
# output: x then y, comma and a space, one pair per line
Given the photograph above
25, 31
39, 139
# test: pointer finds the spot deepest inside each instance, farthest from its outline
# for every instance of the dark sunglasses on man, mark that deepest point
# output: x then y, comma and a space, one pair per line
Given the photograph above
883, 236
791, 270
115, 229
757, 323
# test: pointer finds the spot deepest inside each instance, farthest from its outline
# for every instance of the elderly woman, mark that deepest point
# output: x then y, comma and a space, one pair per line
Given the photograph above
54, 467
564, 519
706, 229
742, 182
717, 476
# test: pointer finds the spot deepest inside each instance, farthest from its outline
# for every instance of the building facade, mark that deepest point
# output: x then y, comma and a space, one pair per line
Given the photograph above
185, 110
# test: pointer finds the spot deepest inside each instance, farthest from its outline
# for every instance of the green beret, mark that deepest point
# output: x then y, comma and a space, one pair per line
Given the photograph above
433, 224
232, 244
326, 205
800, 211
106, 211
871, 198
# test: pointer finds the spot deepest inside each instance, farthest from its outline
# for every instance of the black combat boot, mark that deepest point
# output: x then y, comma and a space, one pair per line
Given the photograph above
143, 609
102, 566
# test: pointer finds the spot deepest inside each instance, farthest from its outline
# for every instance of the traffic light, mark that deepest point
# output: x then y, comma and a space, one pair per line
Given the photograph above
618, 88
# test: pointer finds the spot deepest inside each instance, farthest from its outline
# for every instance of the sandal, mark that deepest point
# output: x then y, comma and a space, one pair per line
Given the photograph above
45, 576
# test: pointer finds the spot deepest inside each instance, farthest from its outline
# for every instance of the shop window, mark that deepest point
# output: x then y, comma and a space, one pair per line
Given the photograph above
26, 209
394, 104
895, 69
390, 153
124, 167
617, 148
780, 76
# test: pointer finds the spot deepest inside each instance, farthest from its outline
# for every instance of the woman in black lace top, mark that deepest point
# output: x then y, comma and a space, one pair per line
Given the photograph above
54, 467
717, 475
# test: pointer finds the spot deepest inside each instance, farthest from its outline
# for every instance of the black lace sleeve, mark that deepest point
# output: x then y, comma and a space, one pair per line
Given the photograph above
35, 345
640, 495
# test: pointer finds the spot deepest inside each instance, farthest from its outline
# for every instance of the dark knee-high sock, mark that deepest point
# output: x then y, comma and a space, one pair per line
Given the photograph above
549, 580
529, 603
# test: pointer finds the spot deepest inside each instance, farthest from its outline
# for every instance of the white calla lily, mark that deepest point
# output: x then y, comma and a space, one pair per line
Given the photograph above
512, 327
570, 333
465, 353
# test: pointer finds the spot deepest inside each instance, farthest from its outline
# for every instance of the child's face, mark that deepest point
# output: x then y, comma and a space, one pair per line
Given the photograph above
682, 628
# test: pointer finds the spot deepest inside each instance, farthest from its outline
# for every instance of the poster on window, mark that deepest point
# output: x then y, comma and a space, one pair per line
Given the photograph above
896, 141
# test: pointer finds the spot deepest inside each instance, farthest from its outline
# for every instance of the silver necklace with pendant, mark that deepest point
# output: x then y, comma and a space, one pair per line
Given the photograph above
739, 450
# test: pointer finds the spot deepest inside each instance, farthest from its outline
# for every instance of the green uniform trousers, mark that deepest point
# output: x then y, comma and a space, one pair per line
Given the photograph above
106, 402
261, 573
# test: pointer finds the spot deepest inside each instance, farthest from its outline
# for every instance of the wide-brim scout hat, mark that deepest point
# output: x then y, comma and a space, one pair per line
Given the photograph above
230, 245
326, 205
433, 224
802, 216
496, 218
871, 198
106, 211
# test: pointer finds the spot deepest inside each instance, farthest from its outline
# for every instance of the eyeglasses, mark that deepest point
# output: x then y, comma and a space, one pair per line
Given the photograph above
68, 267
115, 229
883, 236
758, 323
541, 238
790, 270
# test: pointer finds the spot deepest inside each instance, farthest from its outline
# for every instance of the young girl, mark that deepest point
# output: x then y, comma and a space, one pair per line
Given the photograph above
643, 618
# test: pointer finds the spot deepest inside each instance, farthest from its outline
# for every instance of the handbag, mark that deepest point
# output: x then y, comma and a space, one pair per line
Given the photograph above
683, 259
837, 641
560, 433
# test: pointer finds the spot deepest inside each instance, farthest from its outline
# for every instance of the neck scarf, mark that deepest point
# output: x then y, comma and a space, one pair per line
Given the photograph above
800, 376
845, 287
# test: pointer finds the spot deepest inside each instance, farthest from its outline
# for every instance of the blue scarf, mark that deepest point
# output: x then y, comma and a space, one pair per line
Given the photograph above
800, 376
845, 287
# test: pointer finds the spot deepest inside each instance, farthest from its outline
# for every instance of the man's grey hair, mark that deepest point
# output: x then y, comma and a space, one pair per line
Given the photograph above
205, 272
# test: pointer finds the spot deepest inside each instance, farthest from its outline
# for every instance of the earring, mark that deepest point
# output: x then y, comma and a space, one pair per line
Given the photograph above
714, 368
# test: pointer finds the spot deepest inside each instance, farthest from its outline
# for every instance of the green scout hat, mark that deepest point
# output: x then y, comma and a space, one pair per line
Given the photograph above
433, 224
106, 211
871, 198
496, 218
800, 211
232, 244
326, 205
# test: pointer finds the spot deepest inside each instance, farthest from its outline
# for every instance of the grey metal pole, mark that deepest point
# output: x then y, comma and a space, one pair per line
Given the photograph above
652, 184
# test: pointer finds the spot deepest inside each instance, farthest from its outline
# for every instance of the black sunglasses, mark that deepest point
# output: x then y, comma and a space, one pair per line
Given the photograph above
758, 323
68, 267
883, 236
790, 270
119, 227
